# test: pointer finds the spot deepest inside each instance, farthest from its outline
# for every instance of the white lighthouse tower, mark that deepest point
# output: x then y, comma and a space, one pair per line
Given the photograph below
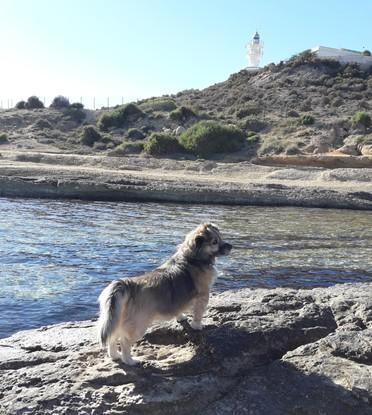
254, 52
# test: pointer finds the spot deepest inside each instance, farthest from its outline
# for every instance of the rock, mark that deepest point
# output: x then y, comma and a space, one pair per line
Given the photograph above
348, 149
366, 150
274, 352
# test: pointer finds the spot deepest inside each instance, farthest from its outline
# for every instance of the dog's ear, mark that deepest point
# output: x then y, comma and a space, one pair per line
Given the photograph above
199, 240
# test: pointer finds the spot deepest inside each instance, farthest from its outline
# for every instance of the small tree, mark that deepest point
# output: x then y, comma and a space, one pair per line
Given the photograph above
21, 105
60, 102
208, 137
34, 102
362, 118
161, 143
89, 135
75, 112
307, 120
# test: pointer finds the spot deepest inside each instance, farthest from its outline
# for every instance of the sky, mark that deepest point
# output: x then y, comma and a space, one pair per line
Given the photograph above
126, 50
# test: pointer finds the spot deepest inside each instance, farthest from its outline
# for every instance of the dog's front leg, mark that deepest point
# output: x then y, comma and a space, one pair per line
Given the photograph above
200, 306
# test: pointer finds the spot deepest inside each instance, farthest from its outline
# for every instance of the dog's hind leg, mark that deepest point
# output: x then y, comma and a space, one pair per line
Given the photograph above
199, 308
126, 357
112, 349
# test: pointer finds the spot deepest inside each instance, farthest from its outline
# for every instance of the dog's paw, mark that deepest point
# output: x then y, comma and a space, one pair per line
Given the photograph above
130, 361
196, 325
181, 317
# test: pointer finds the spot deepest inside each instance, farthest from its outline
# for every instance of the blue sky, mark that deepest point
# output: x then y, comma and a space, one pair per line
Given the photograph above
140, 48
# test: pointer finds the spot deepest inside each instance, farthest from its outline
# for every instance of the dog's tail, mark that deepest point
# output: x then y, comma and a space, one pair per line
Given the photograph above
111, 301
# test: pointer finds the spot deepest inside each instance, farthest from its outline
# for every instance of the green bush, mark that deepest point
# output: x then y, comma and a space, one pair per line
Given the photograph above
307, 119
208, 137
3, 138
248, 110
158, 104
362, 118
75, 112
182, 114
119, 117
271, 145
21, 105
90, 135
127, 148
34, 102
161, 143
60, 102
135, 134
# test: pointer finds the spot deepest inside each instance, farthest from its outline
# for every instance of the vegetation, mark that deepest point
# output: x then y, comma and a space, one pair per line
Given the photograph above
119, 117
307, 119
60, 102
362, 118
158, 104
34, 102
208, 137
248, 110
21, 105
128, 148
3, 138
135, 134
90, 135
182, 114
158, 144
75, 112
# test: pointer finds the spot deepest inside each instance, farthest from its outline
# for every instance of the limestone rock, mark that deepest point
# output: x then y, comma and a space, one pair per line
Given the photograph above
262, 352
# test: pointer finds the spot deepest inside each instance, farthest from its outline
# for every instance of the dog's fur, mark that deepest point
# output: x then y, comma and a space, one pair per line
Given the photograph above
128, 306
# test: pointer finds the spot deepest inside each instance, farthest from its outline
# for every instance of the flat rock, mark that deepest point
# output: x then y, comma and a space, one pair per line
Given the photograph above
262, 351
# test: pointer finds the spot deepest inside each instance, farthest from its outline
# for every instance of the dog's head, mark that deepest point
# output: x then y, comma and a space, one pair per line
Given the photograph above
205, 243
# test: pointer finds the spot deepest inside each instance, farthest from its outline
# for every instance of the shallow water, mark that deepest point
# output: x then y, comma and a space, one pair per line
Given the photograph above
56, 256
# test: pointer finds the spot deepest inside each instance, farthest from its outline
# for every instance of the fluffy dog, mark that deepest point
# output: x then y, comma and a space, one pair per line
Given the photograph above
128, 306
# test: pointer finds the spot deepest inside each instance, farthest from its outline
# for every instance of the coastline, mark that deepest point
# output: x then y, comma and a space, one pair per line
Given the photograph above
48, 175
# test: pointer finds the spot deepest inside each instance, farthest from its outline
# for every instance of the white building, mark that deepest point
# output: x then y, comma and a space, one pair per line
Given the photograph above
254, 52
344, 56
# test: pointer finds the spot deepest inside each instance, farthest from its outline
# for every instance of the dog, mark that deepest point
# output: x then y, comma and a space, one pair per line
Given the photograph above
128, 306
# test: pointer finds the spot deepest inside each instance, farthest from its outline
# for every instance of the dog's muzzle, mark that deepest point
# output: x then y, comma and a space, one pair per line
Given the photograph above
225, 249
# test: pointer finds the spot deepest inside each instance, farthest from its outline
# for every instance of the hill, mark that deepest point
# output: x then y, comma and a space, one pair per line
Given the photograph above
302, 106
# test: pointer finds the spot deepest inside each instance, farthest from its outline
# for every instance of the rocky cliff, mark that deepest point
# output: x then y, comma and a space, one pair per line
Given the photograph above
274, 352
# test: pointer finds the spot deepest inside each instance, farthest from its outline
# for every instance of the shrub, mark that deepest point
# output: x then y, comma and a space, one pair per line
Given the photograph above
119, 117
293, 113
182, 114
366, 53
90, 135
3, 138
362, 118
158, 104
21, 105
208, 137
75, 112
135, 134
34, 102
248, 110
307, 119
161, 143
271, 145
127, 148
60, 102
302, 58
42, 124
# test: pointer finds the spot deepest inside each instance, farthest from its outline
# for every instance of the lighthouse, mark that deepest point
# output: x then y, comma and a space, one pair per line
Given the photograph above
254, 52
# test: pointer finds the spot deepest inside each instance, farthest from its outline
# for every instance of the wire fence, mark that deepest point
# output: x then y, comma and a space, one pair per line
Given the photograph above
92, 102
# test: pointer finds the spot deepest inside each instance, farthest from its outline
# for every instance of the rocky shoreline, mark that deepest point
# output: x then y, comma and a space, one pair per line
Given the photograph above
274, 352
140, 179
